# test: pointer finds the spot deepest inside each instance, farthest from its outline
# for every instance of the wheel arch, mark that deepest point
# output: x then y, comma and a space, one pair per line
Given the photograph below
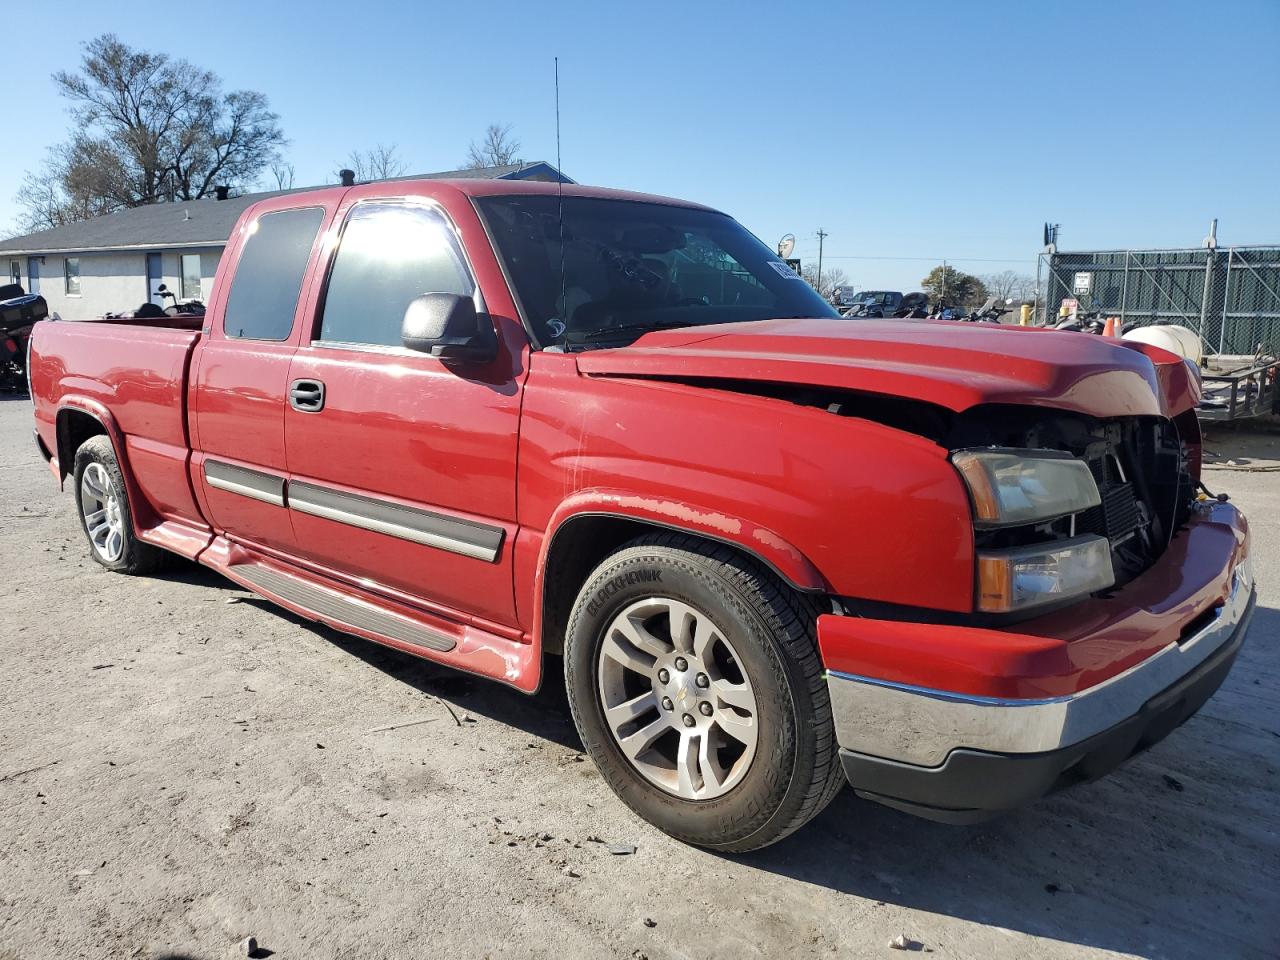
78, 420
581, 539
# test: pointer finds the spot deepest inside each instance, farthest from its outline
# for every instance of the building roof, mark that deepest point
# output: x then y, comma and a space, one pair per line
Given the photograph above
202, 223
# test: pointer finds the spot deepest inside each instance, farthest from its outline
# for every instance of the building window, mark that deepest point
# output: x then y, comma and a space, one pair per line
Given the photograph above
71, 271
15, 271
191, 277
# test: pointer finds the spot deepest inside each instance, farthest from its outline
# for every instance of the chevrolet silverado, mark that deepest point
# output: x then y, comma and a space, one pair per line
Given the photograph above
487, 422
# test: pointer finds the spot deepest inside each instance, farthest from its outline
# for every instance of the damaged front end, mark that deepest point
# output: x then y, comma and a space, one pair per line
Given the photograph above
1144, 468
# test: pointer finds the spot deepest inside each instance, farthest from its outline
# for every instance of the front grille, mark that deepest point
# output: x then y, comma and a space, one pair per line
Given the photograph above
1116, 517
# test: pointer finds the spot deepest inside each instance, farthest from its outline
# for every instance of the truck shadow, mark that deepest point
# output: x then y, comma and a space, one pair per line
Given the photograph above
544, 715
1167, 856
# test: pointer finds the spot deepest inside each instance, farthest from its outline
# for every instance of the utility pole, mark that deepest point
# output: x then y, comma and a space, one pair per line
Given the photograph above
944, 283
822, 235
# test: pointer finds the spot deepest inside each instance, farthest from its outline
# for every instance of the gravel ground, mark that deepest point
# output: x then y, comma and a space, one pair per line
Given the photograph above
183, 766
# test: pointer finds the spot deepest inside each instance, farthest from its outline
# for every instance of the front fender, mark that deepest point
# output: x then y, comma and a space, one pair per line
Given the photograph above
765, 545
784, 558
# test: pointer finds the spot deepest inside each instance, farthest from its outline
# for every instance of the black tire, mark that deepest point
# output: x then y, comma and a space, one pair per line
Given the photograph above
795, 771
135, 556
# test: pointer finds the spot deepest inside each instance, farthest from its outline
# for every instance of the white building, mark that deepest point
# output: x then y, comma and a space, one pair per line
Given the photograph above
116, 263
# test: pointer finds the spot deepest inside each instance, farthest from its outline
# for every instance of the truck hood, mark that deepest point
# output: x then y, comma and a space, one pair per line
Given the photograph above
947, 363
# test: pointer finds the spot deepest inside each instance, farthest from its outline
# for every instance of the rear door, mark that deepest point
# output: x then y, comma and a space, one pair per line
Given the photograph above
403, 475
239, 386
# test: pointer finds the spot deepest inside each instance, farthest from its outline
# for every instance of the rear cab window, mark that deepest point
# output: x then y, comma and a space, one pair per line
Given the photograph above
268, 277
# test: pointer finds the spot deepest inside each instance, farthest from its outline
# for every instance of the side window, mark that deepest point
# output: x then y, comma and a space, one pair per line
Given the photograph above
388, 254
268, 278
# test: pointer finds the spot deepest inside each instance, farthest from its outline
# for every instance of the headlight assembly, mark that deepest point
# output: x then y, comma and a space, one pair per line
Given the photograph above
1020, 577
1010, 487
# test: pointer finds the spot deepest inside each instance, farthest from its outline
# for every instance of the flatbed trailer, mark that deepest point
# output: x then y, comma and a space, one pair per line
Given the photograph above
1236, 388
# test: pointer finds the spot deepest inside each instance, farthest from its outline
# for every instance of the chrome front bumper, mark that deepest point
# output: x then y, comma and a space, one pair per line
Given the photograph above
922, 726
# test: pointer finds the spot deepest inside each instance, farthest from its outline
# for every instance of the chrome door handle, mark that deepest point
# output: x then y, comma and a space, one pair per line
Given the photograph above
306, 396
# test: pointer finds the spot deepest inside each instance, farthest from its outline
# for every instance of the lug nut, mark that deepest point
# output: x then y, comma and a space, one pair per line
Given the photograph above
702, 681
663, 676
705, 708
682, 664
667, 704
688, 720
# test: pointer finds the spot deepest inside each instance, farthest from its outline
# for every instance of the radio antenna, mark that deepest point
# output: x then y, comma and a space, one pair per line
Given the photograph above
564, 306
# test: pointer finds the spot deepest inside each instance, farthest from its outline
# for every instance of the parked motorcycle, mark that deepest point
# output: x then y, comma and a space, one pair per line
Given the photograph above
195, 307
941, 312
991, 311
1089, 322
19, 312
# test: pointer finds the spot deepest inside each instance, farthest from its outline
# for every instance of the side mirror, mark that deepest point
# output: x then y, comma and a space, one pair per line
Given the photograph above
447, 326
162, 289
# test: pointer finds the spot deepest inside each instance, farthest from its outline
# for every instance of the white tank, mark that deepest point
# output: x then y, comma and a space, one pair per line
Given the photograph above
1180, 340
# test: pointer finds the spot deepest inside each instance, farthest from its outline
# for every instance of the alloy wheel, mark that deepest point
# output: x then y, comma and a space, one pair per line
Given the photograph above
103, 516
676, 699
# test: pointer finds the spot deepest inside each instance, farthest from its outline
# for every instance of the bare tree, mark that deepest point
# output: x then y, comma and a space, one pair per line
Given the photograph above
1009, 284
283, 173
376, 163
832, 277
147, 128
497, 149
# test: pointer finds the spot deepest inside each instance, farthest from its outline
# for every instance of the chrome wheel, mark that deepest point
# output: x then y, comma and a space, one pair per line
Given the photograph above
676, 699
103, 516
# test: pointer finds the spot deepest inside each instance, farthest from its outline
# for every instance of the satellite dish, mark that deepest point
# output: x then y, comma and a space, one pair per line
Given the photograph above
787, 246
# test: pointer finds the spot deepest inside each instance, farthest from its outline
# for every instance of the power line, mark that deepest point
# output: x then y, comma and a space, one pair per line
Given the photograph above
851, 256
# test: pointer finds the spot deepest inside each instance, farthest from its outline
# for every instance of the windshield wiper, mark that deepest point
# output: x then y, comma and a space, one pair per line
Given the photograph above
606, 333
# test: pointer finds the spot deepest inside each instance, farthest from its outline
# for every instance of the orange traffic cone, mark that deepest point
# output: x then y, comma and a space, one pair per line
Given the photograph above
1112, 327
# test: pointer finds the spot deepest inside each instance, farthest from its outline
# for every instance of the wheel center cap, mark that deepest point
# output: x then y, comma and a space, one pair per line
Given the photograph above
682, 691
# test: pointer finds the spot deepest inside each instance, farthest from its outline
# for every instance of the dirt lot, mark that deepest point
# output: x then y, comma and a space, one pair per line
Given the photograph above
182, 766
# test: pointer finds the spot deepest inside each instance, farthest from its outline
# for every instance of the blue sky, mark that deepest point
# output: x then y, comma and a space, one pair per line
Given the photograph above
905, 129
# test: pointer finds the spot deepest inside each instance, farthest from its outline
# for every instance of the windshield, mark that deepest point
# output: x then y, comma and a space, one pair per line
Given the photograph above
631, 267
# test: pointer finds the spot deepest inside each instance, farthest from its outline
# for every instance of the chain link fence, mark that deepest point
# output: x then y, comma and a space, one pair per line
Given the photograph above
1230, 296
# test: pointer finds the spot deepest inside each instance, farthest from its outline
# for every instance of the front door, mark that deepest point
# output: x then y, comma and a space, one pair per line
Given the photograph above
402, 467
241, 378
33, 274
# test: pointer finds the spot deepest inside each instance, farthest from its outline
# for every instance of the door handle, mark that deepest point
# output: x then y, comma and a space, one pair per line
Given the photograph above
306, 396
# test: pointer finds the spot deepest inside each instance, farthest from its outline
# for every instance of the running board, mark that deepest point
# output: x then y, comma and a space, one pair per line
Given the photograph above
337, 608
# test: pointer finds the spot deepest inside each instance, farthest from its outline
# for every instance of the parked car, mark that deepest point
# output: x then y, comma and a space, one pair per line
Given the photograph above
776, 551
875, 303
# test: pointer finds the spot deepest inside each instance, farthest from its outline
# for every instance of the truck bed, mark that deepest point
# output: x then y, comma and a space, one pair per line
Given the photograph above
132, 376
182, 321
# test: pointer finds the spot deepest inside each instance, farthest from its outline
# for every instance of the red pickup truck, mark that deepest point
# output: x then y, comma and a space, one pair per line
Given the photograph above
955, 566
